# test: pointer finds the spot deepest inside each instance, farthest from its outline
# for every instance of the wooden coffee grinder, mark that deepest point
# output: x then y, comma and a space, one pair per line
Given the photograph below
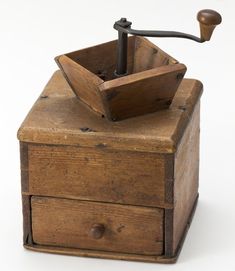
110, 151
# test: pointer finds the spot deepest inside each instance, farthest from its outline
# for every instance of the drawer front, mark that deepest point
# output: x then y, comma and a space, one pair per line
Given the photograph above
99, 226
97, 174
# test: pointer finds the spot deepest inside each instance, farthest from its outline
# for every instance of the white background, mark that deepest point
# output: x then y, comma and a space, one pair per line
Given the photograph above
33, 32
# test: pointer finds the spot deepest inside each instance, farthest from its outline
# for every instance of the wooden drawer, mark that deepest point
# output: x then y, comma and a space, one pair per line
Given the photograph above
100, 226
97, 174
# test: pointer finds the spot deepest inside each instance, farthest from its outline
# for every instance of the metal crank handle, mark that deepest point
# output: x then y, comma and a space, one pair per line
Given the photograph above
208, 20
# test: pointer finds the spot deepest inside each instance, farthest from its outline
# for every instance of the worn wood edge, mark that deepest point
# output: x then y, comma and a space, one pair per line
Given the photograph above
24, 167
169, 216
169, 179
100, 147
168, 231
106, 107
29, 135
188, 109
187, 226
135, 77
61, 196
100, 254
27, 220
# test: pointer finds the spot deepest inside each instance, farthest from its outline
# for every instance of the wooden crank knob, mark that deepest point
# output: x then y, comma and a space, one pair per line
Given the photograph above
208, 20
97, 231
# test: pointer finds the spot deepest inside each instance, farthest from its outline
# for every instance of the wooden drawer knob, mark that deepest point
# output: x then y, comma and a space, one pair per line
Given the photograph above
97, 231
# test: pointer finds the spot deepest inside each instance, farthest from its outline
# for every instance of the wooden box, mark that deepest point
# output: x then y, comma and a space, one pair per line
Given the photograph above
119, 190
152, 80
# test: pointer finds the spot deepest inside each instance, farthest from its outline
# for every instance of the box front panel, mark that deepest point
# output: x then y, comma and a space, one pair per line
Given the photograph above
73, 224
97, 174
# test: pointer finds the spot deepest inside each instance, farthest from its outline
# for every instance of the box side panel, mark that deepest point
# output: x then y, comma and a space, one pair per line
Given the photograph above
97, 174
186, 172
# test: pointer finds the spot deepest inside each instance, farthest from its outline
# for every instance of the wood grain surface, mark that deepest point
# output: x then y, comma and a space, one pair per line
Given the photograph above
142, 93
67, 223
97, 174
148, 56
84, 82
72, 123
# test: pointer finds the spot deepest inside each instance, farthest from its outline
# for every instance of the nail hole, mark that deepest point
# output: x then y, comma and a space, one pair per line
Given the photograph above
86, 129
181, 107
